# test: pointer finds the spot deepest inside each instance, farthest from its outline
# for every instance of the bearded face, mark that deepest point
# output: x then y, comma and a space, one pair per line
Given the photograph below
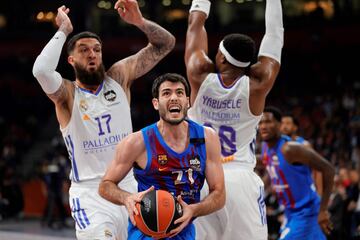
90, 77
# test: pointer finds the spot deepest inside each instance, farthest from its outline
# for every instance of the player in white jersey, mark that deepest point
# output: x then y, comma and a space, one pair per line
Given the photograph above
231, 101
94, 112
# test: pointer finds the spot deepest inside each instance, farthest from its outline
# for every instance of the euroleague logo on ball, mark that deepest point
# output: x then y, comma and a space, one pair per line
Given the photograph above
157, 212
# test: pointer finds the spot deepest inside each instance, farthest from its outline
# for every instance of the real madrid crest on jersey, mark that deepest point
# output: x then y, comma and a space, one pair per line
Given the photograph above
110, 95
162, 159
83, 105
195, 163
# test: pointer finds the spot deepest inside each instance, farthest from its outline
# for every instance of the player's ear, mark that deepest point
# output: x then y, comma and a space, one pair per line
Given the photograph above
155, 103
70, 60
188, 102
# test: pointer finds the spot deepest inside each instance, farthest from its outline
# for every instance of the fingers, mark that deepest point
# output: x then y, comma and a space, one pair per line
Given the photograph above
120, 5
132, 219
327, 227
175, 231
130, 205
64, 9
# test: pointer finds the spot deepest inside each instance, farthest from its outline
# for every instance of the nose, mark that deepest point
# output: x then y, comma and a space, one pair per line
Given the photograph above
92, 54
173, 97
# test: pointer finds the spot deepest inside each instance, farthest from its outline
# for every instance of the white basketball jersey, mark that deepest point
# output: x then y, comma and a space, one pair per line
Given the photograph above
98, 122
226, 109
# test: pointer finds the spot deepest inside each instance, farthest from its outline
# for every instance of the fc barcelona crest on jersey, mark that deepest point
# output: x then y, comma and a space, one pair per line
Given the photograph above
195, 163
162, 159
110, 95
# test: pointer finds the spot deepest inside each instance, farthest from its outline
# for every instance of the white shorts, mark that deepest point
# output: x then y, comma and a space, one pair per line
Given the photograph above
244, 214
95, 217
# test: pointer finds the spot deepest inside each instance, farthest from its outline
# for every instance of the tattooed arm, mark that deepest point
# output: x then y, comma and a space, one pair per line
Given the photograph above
161, 42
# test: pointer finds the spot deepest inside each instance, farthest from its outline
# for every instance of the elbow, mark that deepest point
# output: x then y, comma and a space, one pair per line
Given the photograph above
37, 71
40, 71
102, 189
223, 199
171, 43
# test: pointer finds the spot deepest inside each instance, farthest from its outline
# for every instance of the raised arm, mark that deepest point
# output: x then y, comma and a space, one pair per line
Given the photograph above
44, 69
298, 153
197, 62
161, 42
265, 71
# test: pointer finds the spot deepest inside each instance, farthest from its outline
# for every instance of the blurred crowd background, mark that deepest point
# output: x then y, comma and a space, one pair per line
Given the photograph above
319, 84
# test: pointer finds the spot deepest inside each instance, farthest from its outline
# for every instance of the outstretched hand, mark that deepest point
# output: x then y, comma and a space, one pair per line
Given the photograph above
324, 222
129, 11
185, 219
63, 21
131, 201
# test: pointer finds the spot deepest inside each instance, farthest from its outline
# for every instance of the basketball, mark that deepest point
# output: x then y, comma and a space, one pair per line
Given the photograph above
157, 212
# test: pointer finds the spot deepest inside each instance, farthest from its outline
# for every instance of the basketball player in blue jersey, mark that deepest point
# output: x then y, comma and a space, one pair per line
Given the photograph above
229, 96
173, 154
94, 112
289, 127
289, 166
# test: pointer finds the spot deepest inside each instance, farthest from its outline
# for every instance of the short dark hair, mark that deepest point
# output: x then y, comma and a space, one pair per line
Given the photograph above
72, 42
240, 46
172, 77
275, 112
294, 119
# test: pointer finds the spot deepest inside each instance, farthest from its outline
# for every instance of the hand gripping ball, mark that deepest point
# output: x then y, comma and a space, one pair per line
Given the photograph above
157, 212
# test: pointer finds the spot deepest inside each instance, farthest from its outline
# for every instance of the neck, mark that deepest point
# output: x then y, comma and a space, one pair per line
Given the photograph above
293, 137
229, 76
175, 136
91, 88
272, 142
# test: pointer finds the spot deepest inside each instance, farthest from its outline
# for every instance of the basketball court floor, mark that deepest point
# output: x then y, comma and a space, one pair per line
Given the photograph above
31, 229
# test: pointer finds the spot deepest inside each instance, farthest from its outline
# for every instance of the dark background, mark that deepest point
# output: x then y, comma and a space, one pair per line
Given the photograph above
318, 82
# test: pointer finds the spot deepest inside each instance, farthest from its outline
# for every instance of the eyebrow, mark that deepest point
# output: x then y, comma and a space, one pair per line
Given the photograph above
169, 89
86, 45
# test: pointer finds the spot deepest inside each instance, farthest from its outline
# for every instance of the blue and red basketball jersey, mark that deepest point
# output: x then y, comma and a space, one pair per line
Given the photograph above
300, 139
179, 173
293, 184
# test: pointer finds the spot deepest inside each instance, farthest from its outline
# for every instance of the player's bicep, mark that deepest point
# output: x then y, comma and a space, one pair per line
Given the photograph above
214, 171
126, 154
296, 153
264, 74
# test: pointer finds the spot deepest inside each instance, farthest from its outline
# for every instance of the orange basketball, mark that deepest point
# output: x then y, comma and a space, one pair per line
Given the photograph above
157, 212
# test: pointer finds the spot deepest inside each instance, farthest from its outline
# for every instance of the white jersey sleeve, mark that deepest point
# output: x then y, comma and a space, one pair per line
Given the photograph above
226, 109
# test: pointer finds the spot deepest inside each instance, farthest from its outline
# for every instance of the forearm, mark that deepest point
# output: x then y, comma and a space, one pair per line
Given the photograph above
273, 40
158, 36
211, 203
46, 63
328, 181
111, 192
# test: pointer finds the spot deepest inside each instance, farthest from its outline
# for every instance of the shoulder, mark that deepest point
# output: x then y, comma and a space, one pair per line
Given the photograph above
291, 150
210, 134
132, 141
